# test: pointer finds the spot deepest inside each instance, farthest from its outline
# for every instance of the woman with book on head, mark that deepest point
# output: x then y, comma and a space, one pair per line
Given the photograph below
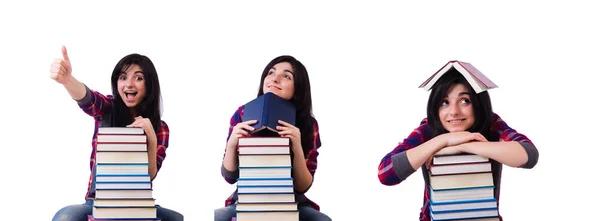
135, 102
287, 78
460, 122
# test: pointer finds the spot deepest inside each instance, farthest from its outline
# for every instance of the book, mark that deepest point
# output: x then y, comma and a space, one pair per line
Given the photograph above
461, 187
460, 168
242, 181
461, 194
268, 109
265, 185
270, 197
476, 79
265, 188
121, 212
265, 145
122, 169
443, 159
475, 219
120, 130
456, 181
123, 189
264, 160
278, 215
465, 214
121, 157
267, 206
91, 218
125, 202
466, 205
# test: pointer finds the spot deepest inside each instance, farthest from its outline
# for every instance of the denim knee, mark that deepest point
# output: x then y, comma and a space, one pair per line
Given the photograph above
168, 214
77, 212
225, 213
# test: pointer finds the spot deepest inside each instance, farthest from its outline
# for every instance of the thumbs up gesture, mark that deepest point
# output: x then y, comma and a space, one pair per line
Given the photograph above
60, 70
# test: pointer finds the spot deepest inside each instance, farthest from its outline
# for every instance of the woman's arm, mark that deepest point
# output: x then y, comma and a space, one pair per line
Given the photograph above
513, 149
229, 166
417, 149
303, 176
157, 155
94, 103
91, 102
75, 88
396, 166
509, 153
156, 143
304, 168
60, 71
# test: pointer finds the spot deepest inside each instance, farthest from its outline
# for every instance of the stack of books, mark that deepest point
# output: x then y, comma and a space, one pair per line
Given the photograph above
462, 188
265, 186
121, 180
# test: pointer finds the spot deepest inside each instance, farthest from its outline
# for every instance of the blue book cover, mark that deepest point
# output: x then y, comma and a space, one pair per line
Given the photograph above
268, 109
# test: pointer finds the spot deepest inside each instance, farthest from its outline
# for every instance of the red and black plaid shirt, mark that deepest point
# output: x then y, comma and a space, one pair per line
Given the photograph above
311, 159
96, 105
422, 134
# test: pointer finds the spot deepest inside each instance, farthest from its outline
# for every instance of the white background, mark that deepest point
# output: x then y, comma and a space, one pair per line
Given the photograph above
365, 61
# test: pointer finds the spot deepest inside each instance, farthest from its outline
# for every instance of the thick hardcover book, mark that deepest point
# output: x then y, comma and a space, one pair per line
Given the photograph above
476, 79
268, 109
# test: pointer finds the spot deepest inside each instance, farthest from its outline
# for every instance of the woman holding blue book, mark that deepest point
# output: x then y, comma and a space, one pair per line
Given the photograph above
287, 78
459, 120
135, 102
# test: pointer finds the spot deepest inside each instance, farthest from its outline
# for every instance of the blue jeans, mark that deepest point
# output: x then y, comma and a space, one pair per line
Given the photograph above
80, 212
307, 213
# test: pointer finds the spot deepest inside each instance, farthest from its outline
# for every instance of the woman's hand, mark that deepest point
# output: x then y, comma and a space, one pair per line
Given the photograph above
60, 70
290, 131
456, 138
239, 130
452, 143
143, 123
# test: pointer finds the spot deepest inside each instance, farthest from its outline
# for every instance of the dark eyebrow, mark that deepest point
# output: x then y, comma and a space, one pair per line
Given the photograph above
460, 94
286, 70
137, 72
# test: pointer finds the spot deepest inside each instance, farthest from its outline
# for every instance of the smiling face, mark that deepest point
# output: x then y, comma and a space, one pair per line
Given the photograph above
280, 80
456, 112
132, 86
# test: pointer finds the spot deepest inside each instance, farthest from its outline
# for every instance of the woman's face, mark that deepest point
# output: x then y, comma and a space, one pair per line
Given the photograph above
456, 112
132, 85
280, 80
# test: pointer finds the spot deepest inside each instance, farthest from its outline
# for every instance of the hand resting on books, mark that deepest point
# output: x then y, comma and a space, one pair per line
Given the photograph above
453, 141
289, 131
456, 138
449, 150
143, 123
240, 130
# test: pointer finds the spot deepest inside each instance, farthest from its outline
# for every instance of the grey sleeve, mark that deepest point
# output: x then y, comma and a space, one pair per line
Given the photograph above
402, 166
532, 155
230, 176
87, 98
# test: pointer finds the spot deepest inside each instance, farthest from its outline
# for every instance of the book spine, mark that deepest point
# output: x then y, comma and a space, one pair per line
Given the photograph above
266, 116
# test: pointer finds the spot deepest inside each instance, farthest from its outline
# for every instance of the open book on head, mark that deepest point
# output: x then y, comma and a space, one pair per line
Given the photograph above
476, 79
268, 109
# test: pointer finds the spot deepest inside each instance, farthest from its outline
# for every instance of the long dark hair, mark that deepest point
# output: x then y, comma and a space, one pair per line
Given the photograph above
150, 106
482, 106
302, 98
